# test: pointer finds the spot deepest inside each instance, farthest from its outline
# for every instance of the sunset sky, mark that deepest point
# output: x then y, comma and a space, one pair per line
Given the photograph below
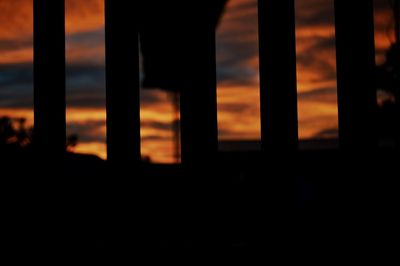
237, 63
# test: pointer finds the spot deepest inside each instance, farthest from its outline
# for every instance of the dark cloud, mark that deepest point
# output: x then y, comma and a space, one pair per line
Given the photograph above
87, 38
224, 133
310, 58
236, 108
157, 125
312, 13
157, 138
85, 85
237, 44
150, 96
331, 133
7, 45
327, 95
16, 85
12, 74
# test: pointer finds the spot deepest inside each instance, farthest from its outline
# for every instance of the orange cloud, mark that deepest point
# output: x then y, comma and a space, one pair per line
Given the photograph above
315, 117
84, 16
384, 32
16, 31
239, 112
16, 20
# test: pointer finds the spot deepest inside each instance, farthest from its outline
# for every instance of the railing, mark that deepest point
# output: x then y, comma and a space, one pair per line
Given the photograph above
279, 130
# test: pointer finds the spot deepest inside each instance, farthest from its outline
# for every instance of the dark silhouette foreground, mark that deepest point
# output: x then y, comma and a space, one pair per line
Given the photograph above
275, 203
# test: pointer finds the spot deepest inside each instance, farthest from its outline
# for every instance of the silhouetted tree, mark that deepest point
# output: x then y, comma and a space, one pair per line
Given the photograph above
72, 141
15, 138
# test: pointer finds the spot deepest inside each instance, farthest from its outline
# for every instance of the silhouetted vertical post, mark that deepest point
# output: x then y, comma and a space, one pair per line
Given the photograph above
49, 79
122, 82
199, 129
279, 129
123, 123
278, 82
356, 74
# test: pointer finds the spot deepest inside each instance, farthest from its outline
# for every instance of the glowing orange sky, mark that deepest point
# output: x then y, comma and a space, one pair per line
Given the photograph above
238, 100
